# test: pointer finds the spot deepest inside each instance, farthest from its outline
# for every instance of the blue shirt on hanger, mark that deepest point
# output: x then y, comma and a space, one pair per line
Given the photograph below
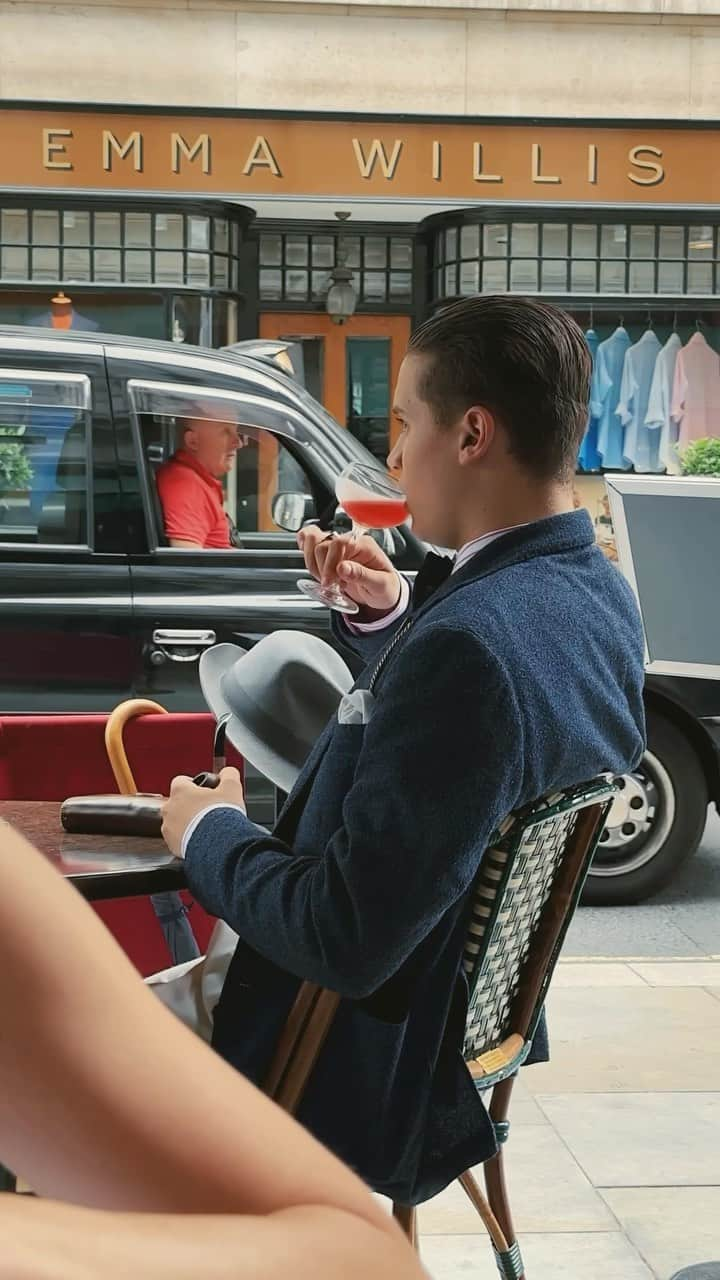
641, 446
604, 397
588, 456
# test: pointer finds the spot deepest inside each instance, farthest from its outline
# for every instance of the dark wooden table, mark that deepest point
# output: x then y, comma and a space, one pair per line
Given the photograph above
99, 866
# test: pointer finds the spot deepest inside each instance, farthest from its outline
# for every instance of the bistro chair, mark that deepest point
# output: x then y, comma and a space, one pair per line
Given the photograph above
523, 900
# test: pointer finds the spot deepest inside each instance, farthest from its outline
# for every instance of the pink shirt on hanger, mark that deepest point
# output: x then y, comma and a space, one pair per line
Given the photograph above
696, 391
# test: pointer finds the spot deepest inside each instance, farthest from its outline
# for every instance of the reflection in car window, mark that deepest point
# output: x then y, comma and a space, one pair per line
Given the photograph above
44, 439
212, 476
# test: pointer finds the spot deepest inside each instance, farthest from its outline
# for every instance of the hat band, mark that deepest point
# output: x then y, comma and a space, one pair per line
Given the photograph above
264, 726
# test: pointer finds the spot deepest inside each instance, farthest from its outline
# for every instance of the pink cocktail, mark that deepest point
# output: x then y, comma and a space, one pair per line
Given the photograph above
369, 510
373, 500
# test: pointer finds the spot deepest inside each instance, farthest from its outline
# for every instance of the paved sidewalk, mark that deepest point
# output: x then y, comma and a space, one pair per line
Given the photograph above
614, 1152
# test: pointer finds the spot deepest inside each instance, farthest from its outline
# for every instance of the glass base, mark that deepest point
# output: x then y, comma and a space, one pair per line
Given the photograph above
332, 596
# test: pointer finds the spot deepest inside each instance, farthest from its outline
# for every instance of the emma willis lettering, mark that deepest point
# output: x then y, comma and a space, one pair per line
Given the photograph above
295, 155
371, 157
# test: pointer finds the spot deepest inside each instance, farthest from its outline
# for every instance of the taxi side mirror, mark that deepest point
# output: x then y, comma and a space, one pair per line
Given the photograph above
291, 510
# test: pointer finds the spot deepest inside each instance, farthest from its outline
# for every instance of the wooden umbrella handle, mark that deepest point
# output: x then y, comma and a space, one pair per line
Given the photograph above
114, 745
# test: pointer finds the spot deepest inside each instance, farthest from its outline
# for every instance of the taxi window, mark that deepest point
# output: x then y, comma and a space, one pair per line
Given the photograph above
252, 463
44, 442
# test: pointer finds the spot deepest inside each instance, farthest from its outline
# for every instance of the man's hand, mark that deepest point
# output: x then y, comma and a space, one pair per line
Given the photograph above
186, 800
359, 565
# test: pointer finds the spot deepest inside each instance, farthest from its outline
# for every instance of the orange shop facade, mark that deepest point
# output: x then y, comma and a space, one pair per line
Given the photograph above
343, 231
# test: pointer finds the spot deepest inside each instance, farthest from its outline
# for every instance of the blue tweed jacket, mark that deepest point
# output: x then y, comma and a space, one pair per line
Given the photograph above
523, 673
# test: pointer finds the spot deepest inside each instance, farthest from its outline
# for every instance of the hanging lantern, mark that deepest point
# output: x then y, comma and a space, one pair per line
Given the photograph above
341, 297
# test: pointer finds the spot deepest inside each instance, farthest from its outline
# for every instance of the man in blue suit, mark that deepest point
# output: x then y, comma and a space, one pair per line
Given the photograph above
512, 670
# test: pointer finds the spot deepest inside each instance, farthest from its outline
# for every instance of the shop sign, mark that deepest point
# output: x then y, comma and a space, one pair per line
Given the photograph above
245, 157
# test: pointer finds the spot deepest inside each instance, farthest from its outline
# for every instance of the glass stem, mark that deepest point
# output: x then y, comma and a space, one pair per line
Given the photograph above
358, 531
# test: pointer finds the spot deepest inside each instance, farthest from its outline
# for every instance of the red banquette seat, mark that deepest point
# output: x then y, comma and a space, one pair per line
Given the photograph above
52, 757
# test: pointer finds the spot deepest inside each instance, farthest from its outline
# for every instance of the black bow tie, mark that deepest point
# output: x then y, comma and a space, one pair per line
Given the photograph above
433, 572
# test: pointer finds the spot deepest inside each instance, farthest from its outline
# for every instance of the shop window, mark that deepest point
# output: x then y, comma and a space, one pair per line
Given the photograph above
297, 268
613, 258
583, 277
138, 266
401, 283
296, 285
375, 255
198, 269
401, 254
45, 227
14, 263
76, 265
642, 242
14, 226
350, 250
700, 277
494, 276
524, 275
76, 228
555, 240
319, 283
107, 229
554, 275
221, 272
138, 230
525, 239
672, 242
169, 230
374, 286
613, 241
612, 277
495, 241
296, 251
45, 264
670, 277
221, 243
323, 251
115, 247
584, 241
44, 445
198, 233
271, 285
106, 266
169, 267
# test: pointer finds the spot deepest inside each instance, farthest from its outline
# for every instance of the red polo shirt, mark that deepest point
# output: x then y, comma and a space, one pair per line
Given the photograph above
192, 502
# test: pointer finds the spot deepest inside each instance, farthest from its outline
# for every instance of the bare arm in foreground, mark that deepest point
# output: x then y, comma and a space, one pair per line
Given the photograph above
106, 1100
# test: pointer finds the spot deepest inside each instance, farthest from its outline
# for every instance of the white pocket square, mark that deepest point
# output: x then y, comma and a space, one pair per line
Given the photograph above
356, 707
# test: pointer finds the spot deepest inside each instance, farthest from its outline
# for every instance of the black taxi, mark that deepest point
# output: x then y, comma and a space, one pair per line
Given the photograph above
96, 607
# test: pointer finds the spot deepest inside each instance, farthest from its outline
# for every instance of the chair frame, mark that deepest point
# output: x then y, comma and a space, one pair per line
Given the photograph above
496, 1067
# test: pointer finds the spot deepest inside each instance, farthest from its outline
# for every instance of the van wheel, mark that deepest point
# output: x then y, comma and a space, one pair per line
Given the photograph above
656, 821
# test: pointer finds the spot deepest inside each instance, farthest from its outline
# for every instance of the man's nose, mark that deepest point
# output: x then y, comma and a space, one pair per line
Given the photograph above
394, 458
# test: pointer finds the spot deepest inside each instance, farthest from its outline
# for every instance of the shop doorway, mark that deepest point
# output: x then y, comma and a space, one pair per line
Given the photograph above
351, 368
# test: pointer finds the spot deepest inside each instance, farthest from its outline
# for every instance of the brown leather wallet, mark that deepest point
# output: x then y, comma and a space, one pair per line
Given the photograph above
113, 815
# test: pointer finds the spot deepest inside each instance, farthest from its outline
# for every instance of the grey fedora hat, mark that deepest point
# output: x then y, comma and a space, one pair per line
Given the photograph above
280, 695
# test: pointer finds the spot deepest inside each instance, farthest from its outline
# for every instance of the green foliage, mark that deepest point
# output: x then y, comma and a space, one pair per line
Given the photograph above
15, 470
701, 458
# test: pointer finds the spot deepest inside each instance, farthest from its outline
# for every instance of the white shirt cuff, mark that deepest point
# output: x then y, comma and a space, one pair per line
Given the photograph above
194, 823
364, 628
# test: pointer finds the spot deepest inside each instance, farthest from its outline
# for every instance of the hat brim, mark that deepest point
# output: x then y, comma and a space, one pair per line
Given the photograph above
213, 665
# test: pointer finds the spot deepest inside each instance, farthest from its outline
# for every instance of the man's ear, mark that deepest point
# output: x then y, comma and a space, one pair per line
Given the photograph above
477, 432
189, 437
